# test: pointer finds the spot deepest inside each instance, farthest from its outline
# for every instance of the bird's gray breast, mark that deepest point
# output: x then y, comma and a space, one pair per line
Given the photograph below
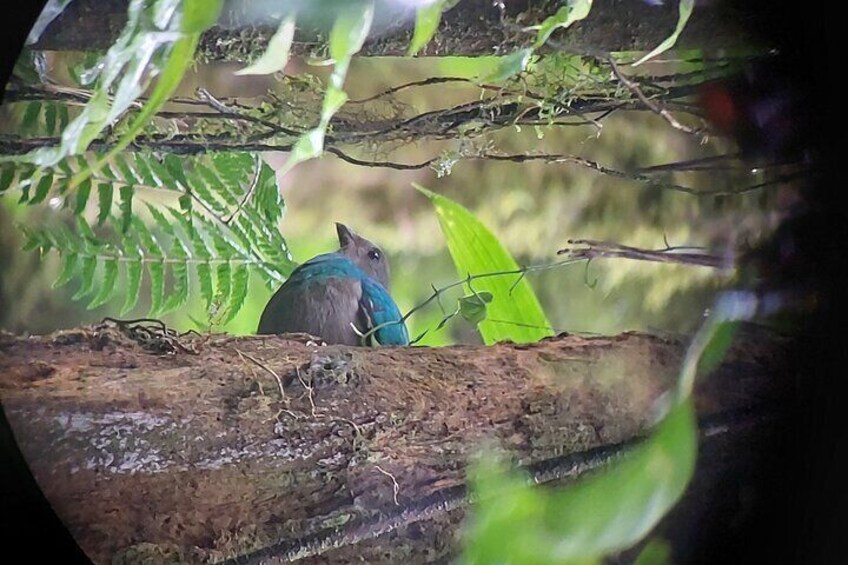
326, 308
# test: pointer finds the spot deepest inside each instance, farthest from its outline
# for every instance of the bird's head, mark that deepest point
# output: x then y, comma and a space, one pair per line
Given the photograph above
365, 254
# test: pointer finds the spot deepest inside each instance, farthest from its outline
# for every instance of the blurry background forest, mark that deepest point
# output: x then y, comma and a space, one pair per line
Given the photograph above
533, 207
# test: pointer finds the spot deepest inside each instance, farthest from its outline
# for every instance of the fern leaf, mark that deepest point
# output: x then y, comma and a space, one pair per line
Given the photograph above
204, 279
125, 207
50, 118
179, 273
68, 270
104, 200
166, 180
81, 199
126, 169
7, 175
240, 282
29, 121
156, 270
144, 172
88, 267
223, 273
42, 188
174, 165
133, 269
202, 181
108, 289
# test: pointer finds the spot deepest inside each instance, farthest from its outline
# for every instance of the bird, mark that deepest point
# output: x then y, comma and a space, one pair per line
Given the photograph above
339, 297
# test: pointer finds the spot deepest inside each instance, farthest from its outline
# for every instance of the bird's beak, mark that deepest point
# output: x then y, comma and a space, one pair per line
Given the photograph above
346, 235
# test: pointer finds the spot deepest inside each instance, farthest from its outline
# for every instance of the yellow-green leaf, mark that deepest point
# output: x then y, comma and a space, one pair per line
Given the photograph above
684, 10
276, 55
514, 312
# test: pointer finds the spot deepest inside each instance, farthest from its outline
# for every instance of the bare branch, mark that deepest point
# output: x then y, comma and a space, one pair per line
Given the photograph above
606, 249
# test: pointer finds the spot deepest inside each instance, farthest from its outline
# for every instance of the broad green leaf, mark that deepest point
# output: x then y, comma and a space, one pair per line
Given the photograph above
514, 313
509, 66
655, 552
108, 289
717, 348
684, 9
276, 55
200, 15
427, 20
350, 29
573, 11
514, 522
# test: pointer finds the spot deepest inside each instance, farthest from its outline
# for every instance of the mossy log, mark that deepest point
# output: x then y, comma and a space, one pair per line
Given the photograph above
204, 448
471, 28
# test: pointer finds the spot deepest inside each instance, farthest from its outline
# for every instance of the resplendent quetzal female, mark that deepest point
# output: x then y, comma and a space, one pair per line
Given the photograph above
339, 297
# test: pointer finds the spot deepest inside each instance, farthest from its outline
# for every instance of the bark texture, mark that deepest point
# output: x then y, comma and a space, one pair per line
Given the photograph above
153, 448
473, 27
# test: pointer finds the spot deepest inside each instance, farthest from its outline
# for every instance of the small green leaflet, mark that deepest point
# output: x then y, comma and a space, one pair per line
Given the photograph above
427, 20
684, 11
573, 11
276, 55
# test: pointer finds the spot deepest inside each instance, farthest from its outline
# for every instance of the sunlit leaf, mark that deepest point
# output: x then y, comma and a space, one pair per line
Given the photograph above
276, 55
655, 552
427, 20
350, 29
573, 11
514, 522
509, 66
684, 10
514, 313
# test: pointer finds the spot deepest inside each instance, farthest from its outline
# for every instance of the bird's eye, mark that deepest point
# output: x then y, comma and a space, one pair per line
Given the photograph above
374, 254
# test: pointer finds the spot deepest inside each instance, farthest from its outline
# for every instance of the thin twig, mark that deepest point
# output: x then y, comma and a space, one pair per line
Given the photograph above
634, 88
395, 486
244, 355
594, 248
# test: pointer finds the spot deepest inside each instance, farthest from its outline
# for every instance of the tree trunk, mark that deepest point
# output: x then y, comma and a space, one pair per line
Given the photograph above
209, 447
472, 28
